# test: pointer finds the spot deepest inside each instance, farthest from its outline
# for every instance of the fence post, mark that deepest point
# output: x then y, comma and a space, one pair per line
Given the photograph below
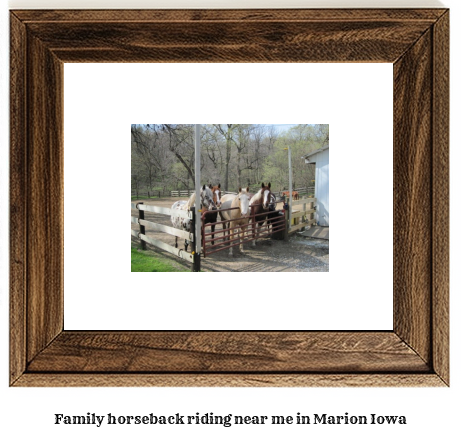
142, 229
202, 235
196, 256
304, 217
287, 220
314, 206
253, 225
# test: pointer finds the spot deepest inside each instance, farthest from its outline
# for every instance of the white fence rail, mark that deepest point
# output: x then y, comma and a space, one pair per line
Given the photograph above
165, 229
166, 247
163, 210
188, 193
302, 213
161, 228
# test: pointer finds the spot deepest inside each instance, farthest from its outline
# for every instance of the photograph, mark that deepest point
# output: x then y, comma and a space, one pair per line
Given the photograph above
263, 194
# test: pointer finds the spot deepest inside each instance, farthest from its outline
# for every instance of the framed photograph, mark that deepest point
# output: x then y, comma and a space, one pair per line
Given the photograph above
414, 353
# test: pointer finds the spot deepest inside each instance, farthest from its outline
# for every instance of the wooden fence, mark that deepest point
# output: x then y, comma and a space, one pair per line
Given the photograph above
310, 191
183, 193
189, 192
148, 194
302, 213
143, 224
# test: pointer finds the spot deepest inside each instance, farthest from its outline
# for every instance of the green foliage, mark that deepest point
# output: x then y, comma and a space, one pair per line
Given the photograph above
302, 139
147, 261
276, 167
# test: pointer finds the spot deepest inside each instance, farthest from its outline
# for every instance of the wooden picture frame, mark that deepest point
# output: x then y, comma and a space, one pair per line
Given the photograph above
414, 353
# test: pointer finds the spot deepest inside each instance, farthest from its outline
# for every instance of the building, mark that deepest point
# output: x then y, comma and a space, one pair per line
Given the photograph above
321, 159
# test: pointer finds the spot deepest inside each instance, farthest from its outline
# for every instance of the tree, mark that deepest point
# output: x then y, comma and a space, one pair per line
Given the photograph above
163, 155
147, 163
302, 139
228, 131
181, 144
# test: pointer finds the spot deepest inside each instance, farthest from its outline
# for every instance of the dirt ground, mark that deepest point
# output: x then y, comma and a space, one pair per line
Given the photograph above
298, 254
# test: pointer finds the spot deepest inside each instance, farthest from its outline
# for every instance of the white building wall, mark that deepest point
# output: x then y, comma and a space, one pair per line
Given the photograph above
322, 187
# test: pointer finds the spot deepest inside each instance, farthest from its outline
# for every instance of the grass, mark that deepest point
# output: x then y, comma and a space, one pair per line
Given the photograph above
147, 261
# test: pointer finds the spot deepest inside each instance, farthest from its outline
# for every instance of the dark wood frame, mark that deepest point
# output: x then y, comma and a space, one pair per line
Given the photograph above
415, 352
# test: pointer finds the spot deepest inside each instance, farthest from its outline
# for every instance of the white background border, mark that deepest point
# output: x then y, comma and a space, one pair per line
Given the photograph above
102, 100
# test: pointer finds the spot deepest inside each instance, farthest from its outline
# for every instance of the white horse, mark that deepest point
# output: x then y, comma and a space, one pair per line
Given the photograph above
227, 197
180, 223
206, 200
239, 216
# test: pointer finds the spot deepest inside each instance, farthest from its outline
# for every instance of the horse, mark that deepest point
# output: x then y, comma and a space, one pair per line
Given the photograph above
272, 211
180, 222
227, 197
206, 200
217, 194
211, 217
294, 194
259, 204
239, 215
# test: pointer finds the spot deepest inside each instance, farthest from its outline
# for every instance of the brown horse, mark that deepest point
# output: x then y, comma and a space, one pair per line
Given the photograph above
294, 194
259, 205
217, 194
240, 215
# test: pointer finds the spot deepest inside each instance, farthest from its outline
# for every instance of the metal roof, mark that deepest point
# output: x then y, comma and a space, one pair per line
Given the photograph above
325, 147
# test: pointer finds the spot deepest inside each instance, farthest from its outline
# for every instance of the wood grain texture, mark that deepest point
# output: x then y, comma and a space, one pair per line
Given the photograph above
412, 196
230, 380
359, 41
236, 352
18, 192
440, 189
414, 354
246, 15
44, 199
